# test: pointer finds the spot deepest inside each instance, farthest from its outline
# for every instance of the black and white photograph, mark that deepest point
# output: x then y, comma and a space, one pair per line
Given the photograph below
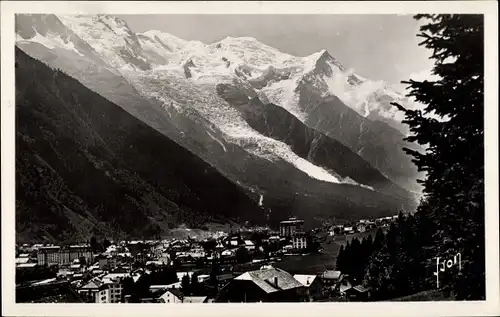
161, 157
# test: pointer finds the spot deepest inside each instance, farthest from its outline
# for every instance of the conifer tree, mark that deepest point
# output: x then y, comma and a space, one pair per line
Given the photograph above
340, 260
195, 285
366, 252
355, 259
347, 258
379, 239
454, 145
185, 284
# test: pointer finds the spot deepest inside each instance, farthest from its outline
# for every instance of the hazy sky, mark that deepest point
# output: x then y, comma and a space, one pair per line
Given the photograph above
376, 46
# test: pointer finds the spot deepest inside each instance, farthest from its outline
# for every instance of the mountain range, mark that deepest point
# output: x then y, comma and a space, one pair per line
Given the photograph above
262, 134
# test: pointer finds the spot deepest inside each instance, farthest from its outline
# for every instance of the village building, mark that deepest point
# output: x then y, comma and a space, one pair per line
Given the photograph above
27, 266
344, 284
361, 227
224, 279
158, 290
94, 291
357, 293
299, 241
312, 284
195, 299
48, 256
22, 260
55, 255
171, 296
180, 275
287, 248
164, 258
330, 277
108, 261
203, 278
197, 253
107, 289
77, 252
249, 245
49, 291
266, 285
175, 296
228, 254
348, 229
290, 226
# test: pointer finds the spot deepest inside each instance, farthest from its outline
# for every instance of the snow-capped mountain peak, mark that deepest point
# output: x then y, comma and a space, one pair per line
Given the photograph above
323, 59
275, 75
111, 38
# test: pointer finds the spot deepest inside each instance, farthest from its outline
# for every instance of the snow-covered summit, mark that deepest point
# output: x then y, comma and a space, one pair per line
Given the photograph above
111, 38
275, 75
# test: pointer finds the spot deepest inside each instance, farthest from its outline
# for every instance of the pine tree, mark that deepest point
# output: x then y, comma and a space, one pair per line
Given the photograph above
355, 259
347, 258
106, 244
195, 285
94, 244
242, 255
128, 287
366, 252
186, 284
379, 239
454, 157
339, 266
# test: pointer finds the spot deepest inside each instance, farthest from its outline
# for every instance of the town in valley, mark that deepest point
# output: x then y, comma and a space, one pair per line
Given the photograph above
240, 266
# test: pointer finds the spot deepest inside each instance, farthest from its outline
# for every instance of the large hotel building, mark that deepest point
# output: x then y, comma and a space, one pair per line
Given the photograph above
52, 255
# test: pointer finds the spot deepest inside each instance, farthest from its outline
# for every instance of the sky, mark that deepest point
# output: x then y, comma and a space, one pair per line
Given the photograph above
379, 47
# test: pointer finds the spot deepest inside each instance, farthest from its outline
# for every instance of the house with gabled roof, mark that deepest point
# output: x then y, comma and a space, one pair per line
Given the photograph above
266, 285
357, 293
171, 296
94, 291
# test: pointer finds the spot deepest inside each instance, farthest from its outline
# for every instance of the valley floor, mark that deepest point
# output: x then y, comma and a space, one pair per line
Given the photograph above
314, 263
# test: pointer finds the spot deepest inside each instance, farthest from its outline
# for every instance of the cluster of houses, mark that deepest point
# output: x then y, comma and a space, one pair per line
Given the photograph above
270, 284
99, 277
362, 225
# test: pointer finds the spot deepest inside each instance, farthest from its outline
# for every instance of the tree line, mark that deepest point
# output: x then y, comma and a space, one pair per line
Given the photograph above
353, 259
450, 217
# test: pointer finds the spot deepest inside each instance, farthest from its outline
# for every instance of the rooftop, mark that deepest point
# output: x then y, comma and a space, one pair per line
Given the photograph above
360, 288
333, 275
271, 279
47, 281
173, 285
194, 299
92, 284
22, 260
26, 265
177, 292
291, 221
304, 279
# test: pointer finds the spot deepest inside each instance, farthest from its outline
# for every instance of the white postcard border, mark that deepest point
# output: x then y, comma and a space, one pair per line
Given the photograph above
489, 307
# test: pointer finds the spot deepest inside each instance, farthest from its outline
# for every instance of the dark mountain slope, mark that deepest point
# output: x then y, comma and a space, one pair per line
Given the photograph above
85, 166
275, 122
375, 141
